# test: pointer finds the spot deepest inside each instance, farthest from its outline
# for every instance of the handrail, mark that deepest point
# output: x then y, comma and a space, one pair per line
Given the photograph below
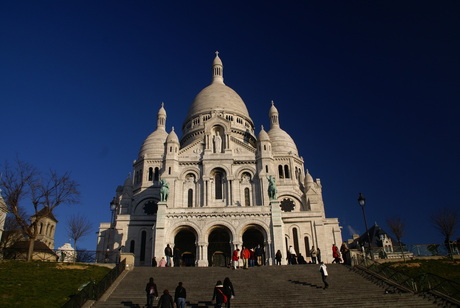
94, 291
432, 284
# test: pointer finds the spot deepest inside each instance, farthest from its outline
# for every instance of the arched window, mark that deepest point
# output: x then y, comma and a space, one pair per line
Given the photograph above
307, 245
150, 174
131, 246
52, 231
169, 170
190, 198
218, 182
143, 242
286, 171
156, 176
266, 168
247, 199
280, 172
41, 228
296, 239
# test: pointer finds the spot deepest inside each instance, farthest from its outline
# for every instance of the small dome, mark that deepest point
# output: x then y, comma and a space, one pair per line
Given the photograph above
308, 177
273, 110
162, 110
172, 137
154, 144
263, 136
282, 143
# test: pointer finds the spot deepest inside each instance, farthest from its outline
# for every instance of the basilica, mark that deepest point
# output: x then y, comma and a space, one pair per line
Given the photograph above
220, 187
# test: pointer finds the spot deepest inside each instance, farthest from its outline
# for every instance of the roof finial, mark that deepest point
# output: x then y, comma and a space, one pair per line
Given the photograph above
173, 128
217, 53
261, 127
162, 104
273, 103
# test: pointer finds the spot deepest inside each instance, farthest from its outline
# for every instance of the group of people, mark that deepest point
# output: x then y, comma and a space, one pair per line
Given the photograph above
344, 252
166, 300
248, 257
297, 258
223, 294
170, 258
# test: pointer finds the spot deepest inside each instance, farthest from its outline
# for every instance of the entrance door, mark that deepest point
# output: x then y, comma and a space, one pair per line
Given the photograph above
219, 250
184, 248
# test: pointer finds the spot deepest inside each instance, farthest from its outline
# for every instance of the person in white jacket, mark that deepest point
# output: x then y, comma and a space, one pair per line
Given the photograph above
323, 271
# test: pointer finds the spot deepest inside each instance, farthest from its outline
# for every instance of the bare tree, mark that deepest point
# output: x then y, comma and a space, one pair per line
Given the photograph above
446, 220
12, 231
78, 226
23, 183
397, 226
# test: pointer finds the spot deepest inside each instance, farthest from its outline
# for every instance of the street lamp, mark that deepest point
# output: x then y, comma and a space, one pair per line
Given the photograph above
113, 208
362, 203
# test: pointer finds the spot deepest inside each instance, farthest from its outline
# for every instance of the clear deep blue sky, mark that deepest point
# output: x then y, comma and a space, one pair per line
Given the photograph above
369, 91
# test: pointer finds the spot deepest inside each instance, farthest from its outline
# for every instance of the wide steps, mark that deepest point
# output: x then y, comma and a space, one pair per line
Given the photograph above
267, 286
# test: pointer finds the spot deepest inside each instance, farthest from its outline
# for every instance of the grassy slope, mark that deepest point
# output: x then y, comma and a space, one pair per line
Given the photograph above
43, 284
443, 268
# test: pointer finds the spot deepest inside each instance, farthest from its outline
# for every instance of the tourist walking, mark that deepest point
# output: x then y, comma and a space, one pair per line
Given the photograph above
245, 254
166, 300
228, 291
168, 254
335, 254
152, 292
313, 255
219, 294
278, 257
323, 271
259, 254
235, 258
344, 251
180, 295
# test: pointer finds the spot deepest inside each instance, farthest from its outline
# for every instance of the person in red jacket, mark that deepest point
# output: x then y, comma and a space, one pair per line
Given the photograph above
245, 254
235, 258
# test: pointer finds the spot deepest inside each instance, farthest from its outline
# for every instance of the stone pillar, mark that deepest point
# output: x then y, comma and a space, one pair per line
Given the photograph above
203, 258
277, 230
269, 253
160, 232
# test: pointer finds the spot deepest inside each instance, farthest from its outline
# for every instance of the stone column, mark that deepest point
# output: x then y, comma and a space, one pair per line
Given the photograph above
277, 229
203, 258
160, 232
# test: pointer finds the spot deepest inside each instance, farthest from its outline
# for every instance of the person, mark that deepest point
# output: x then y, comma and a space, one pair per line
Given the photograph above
259, 254
152, 292
313, 254
318, 255
245, 254
335, 254
278, 257
162, 262
180, 295
292, 255
301, 259
154, 262
176, 257
166, 300
252, 257
228, 291
219, 294
323, 271
344, 252
168, 254
235, 258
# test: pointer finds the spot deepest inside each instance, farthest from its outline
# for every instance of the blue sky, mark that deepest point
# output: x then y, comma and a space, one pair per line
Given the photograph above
369, 91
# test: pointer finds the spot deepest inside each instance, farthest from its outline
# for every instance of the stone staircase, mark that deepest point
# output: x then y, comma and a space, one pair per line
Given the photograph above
267, 286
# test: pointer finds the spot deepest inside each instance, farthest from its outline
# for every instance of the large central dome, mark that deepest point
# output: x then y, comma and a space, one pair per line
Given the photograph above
218, 96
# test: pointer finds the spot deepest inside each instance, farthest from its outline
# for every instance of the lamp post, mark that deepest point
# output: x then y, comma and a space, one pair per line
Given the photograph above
113, 208
362, 203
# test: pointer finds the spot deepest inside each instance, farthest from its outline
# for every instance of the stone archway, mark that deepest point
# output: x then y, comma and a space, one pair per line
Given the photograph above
219, 249
185, 247
254, 235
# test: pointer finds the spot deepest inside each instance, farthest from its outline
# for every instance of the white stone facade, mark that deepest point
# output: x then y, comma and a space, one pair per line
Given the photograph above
218, 189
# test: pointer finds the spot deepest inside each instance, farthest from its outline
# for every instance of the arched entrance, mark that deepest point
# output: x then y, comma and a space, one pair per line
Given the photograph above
253, 236
219, 249
184, 247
